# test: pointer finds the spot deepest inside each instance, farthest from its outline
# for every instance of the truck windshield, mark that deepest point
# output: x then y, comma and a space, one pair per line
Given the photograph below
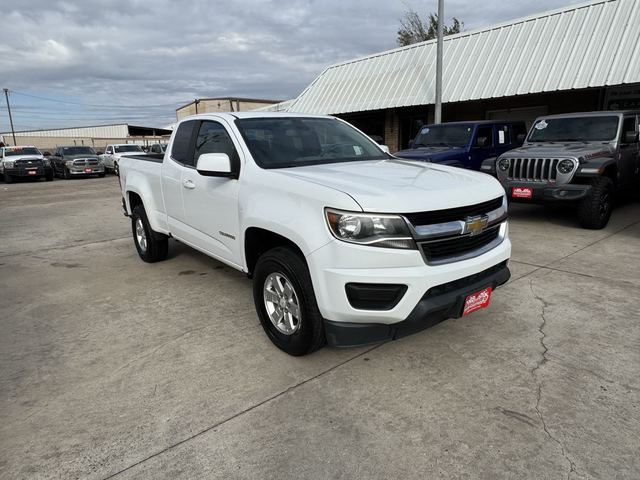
443, 135
14, 151
78, 151
128, 148
575, 129
297, 141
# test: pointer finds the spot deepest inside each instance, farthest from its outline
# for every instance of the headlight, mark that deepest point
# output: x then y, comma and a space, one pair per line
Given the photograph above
69, 163
9, 164
565, 166
376, 230
503, 164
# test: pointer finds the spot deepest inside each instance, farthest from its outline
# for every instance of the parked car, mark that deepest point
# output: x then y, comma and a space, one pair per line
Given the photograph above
76, 161
465, 144
24, 162
158, 148
583, 159
113, 153
344, 243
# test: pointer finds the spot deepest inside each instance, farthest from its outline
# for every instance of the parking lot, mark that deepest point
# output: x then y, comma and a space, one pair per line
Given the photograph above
110, 367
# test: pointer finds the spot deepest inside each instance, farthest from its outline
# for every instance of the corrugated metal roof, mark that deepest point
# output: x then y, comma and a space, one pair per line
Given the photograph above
276, 107
592, 44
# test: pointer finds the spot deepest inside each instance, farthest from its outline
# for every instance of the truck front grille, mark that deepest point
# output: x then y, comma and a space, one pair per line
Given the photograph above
85, 162
29, 163
452, 214
533, 169
438, 251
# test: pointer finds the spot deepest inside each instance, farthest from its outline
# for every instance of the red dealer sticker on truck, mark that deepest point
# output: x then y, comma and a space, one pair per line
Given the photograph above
522, 192
476, 301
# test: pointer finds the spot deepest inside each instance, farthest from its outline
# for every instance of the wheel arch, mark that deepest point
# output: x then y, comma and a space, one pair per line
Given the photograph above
258, 240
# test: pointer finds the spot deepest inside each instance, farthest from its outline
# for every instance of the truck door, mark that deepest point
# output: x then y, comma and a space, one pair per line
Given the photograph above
173, 168
211, 203
482, 147
628, 152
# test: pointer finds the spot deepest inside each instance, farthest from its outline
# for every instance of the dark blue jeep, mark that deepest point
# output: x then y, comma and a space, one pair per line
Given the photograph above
465, 144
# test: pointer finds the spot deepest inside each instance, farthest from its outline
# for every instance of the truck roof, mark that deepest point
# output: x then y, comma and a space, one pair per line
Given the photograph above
231, 116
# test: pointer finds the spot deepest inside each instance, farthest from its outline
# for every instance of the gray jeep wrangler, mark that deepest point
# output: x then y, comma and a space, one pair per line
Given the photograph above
579, 158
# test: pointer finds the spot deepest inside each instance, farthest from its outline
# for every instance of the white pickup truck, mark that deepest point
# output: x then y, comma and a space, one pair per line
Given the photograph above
113, 153
346, 244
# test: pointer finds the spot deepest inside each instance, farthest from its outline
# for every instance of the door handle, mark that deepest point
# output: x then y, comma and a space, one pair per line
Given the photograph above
188, 184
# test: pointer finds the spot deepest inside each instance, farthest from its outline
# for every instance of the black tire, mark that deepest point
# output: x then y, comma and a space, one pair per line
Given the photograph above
8, 178
65, 173
595, 210
309, 335
157, 246
49, 177
116, 169
101, 175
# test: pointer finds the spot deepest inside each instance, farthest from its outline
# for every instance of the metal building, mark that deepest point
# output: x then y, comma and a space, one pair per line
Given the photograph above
582, 57
222, 104
97, 136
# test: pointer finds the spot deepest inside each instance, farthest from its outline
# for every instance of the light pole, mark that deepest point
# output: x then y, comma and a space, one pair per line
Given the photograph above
439, 48
13, 133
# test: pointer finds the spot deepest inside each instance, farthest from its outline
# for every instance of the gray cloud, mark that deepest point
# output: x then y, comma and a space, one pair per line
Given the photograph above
124, 52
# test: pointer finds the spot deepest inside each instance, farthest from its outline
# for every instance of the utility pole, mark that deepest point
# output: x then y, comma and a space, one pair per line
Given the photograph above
13, 132
196, 101
439, 48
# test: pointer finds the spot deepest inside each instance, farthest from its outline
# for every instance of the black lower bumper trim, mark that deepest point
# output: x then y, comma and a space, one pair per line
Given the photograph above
438, 304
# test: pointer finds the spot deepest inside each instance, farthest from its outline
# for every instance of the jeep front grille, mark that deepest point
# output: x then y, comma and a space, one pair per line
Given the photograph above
533, 169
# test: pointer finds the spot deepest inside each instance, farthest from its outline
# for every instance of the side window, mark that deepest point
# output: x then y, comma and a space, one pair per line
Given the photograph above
519, 132
182, 142
484, 136
109, 150
628, 126
214, 138
504, 136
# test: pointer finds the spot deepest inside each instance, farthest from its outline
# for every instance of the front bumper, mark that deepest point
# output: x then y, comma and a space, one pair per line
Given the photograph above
546, 193
93, 170
438, 304
30, 172
337, 264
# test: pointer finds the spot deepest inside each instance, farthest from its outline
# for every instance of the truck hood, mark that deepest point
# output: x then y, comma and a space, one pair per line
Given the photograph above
401, 186
85, 155
429, 154
572, 150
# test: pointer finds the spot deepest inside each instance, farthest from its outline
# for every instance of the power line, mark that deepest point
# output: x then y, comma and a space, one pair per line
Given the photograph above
94, 104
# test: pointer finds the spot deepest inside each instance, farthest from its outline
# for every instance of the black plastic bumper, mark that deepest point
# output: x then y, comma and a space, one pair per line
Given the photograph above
438, 304
24, 172
548, 194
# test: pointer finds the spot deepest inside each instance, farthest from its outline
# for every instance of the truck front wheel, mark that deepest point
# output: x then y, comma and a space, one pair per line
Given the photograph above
151, 246
595, 210
285, 302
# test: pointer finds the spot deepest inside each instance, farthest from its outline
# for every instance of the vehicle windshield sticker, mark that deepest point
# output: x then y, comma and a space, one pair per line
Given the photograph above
500, 136
424, 131
541, 125
357, 149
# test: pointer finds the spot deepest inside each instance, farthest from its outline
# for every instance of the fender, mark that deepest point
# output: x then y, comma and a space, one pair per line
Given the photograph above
595, 167
137, 182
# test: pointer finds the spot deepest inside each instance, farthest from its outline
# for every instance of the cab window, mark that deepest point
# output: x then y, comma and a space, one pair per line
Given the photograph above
484, 137
182, 143
214, 138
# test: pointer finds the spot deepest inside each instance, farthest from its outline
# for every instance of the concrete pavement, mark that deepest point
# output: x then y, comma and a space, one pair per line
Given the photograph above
112, 368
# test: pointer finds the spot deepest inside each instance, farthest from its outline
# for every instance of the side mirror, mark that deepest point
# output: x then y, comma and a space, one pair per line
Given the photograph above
214, 165
630, 137
384, 148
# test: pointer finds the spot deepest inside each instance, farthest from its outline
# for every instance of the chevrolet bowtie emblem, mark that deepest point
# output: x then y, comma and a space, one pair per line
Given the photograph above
475, 225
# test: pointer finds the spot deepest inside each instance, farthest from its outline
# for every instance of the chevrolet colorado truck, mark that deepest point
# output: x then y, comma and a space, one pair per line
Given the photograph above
465, 144
24, 162
580, 159
345, 243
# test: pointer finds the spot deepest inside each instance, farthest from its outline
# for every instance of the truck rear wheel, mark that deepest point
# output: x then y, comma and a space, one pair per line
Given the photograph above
595, 210
285, 302
151, 246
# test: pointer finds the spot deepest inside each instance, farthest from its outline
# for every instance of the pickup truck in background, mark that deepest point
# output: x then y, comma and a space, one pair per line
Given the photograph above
158, 148
580, 159
345, 243
112, 154
24, 162
76, 161
465, 144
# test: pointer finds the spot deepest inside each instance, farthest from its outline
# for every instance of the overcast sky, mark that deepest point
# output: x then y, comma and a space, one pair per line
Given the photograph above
143, 58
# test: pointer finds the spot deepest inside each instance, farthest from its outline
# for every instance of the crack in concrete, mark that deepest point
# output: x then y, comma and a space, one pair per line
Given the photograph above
534, 373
